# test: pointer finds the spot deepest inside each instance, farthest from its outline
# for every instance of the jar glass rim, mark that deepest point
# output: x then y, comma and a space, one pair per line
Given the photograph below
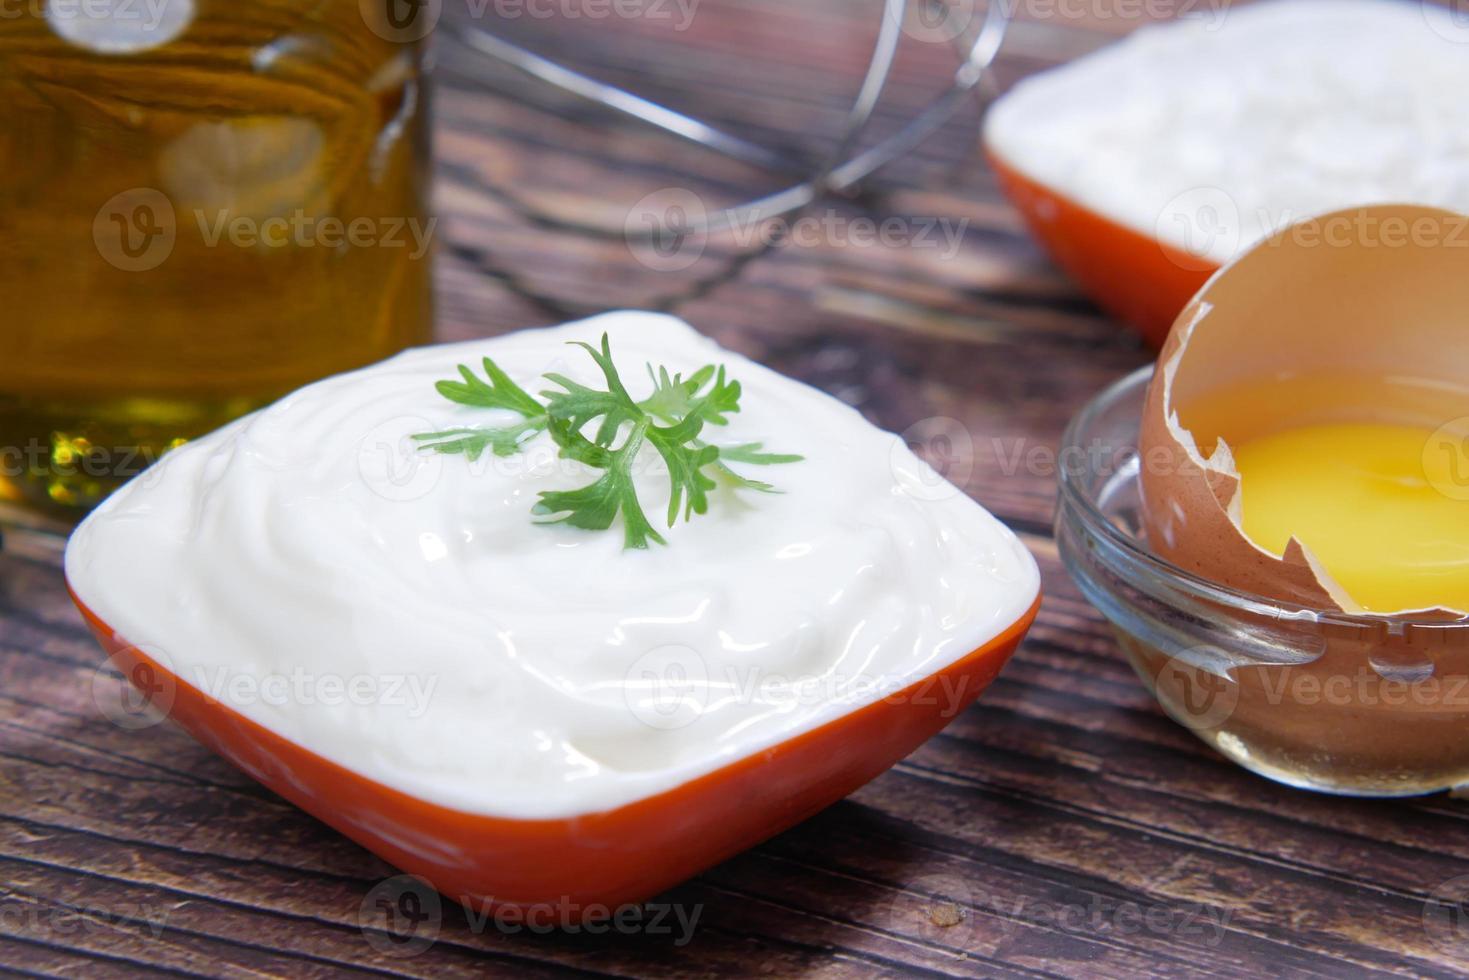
1077, 500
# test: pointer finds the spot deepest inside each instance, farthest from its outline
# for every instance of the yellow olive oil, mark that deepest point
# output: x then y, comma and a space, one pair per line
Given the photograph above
201, 208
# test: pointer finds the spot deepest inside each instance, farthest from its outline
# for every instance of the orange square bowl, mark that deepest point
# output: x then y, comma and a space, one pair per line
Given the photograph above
1136, 278
599, 860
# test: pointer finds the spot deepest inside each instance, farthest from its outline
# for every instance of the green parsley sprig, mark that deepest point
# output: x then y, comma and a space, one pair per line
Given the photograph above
670, 420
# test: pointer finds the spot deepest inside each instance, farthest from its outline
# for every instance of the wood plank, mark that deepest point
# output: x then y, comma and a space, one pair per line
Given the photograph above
1060, 828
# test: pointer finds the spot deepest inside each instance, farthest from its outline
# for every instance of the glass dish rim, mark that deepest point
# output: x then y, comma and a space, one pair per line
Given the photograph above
1075, 499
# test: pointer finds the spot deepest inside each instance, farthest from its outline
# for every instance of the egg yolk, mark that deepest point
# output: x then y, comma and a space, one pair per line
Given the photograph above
1385, 512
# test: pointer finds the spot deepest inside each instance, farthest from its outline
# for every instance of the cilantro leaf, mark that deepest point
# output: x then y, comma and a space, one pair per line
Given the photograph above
505, 441
501, 392
594, 506
671, 420
685, 471
579, 404
672, 396
752, 452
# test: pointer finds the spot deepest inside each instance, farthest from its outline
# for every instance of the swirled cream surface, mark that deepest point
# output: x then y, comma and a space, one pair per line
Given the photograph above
401, 613
1214, 130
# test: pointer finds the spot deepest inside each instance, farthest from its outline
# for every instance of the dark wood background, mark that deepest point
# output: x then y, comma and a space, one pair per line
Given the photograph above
1062, 827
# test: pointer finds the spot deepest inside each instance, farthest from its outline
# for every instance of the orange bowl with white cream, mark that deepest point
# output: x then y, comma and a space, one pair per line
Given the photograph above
588, 864
1147, 165
356, 596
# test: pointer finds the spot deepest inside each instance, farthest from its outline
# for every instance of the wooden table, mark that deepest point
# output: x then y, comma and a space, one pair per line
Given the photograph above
1062, 827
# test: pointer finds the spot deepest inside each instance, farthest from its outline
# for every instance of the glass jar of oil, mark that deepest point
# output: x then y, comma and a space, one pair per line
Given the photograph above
204, 204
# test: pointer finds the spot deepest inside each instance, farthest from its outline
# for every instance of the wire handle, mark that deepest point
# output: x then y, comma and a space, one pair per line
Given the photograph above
842, 170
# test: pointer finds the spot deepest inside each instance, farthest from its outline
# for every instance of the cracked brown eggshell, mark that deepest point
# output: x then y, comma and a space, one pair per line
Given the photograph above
1380, 291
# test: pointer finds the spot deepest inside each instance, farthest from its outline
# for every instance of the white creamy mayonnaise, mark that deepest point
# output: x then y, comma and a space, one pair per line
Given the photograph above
1213, 131
402, 614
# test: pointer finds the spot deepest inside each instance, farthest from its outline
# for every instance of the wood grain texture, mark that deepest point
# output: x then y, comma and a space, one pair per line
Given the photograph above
1060, 828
